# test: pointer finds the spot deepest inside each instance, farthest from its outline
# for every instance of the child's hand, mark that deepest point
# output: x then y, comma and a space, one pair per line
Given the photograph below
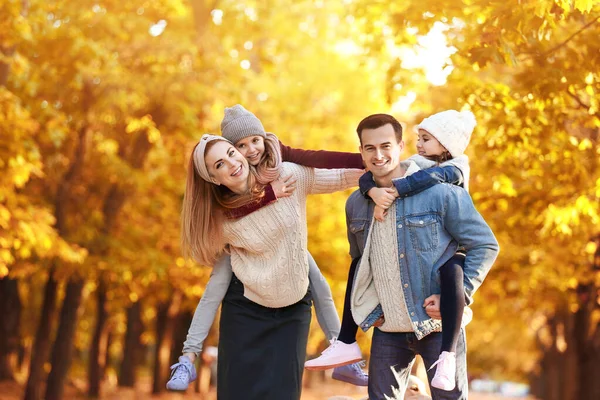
383, 197
379, 213
284, 186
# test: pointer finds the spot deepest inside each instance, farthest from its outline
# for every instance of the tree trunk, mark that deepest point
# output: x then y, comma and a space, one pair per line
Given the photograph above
62, 351
132, 346
10, 310
97, 359
41, 345
106, 349
182, 325
165, 325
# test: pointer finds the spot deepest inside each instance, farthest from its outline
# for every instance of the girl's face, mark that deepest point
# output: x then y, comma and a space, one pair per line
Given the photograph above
428, 146
227, 166
253, 148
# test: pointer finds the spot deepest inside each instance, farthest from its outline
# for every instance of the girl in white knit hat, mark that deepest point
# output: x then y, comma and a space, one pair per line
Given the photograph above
442, 140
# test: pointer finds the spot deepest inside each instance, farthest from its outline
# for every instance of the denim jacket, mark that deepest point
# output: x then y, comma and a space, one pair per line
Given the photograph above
430, 226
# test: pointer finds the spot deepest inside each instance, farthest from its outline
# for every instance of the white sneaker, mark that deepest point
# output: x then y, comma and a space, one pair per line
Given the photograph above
182, 373
445, 374
336, 355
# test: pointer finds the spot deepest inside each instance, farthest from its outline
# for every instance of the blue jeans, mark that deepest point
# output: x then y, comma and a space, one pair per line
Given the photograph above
393, 354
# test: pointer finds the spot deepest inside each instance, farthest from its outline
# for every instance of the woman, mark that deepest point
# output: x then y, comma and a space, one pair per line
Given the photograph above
265, 153
266, 311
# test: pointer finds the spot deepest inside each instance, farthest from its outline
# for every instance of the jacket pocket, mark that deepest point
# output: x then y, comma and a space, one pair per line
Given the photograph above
357, 228
423, 230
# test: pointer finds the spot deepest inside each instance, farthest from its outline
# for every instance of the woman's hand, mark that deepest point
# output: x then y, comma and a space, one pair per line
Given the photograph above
284, 186
380, 321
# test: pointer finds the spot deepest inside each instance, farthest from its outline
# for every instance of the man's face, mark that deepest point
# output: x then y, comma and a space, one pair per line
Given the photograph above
380, 151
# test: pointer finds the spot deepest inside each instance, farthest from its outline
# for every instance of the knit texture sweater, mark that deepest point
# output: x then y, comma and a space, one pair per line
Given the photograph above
386, 274
268, 247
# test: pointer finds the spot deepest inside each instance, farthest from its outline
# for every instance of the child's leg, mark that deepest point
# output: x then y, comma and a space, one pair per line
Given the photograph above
323, 301
340, 355
349, 327
183, 372
452, 301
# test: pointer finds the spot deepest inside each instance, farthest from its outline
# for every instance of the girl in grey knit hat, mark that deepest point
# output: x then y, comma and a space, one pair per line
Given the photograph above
266, 154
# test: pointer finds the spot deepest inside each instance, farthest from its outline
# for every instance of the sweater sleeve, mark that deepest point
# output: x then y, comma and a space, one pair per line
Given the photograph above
319, 181
321, 158
215, 291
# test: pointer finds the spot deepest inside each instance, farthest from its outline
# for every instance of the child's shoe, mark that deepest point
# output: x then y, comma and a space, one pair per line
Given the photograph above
352, 373
445, 373
182, 373
336, 355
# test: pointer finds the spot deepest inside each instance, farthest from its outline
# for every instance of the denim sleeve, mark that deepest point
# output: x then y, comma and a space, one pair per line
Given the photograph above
215, 291
426, 178
469, 229
366, 183
352, 240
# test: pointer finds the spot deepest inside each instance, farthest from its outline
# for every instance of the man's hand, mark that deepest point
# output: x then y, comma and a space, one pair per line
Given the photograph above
383, 197
379, 322
432, 306
284, 186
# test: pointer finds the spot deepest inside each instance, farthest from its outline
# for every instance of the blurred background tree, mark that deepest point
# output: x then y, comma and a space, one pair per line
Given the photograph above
101, 103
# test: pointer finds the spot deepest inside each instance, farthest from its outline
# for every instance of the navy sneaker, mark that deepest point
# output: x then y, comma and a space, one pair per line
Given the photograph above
351, 373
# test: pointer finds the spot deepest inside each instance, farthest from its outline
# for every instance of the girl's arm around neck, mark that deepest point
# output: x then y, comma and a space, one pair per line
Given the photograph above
321, 158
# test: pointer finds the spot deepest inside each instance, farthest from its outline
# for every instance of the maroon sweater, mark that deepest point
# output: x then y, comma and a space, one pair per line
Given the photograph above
309, 158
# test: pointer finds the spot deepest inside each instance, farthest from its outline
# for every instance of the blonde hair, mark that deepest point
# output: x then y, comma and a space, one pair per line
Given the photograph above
269, 167
202, 214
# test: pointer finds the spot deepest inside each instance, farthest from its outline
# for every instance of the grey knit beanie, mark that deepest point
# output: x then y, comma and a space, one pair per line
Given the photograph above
239, 123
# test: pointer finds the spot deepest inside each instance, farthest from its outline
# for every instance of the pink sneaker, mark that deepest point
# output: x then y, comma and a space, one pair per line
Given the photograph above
336, 355
445, 373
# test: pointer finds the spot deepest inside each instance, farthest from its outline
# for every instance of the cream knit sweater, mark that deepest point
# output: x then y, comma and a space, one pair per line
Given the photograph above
268, 247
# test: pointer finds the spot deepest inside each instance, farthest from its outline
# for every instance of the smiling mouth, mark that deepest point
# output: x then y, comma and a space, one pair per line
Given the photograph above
237, 172
380, 164
253, 156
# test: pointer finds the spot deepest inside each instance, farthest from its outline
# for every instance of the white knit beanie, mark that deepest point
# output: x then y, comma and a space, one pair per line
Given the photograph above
239, 123
451, 128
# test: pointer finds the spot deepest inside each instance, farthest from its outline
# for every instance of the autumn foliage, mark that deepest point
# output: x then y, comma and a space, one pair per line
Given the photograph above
102, 101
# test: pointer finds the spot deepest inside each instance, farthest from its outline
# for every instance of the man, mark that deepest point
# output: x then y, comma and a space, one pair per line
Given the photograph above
399, 260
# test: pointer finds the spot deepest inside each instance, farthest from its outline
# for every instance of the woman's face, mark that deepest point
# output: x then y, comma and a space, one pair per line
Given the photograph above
253, 148
428, 146
227, 166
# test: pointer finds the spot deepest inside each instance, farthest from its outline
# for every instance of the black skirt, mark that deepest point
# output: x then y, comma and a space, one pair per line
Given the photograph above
261, 350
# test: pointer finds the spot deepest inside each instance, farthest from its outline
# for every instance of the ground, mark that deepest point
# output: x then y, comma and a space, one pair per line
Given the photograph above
322, 391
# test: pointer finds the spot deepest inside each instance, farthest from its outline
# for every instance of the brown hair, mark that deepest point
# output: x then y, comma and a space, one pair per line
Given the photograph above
202, 214
375, 121
445, 156
269, 167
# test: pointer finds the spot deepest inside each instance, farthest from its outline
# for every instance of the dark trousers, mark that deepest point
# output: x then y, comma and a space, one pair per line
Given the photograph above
393, 354
261, 350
